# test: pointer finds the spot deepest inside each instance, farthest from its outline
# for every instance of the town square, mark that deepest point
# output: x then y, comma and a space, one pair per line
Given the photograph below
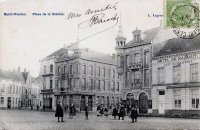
108, 65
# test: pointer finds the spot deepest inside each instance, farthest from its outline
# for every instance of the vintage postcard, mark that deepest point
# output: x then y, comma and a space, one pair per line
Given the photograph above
99, 64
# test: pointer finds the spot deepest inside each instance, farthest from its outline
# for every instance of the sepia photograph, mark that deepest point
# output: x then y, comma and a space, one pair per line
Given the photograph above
99, 64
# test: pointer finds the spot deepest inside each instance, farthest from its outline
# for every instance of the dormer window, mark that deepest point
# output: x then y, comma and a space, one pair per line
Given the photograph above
137, 37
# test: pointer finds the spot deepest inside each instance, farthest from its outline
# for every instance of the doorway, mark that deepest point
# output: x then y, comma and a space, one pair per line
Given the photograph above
143, 103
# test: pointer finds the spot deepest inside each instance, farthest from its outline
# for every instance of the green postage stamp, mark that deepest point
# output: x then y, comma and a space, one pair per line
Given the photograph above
183, 17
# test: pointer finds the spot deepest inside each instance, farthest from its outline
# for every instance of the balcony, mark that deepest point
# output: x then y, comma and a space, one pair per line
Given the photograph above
47, 74
136, 66
47, 91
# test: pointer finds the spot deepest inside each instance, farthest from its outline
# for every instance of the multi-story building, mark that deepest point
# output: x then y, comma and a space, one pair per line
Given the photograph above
79, 77
47, 80
86, 76
176, 80
14, 89
134, 65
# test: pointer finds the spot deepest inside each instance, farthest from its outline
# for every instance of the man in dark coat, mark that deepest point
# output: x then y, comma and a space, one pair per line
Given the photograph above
115, 111
86, 111
122, 112
59, 112
71, 111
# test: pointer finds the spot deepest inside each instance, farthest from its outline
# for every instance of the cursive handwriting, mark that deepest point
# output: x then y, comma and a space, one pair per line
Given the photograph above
98, 19
108, 7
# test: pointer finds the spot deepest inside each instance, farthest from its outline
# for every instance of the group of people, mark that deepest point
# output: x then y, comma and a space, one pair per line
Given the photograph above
72, 112
120, 112
116, 111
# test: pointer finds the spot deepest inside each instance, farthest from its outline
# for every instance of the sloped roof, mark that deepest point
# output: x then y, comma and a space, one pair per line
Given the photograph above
97, 56
61, 50
178, 45
148, 36
13, 75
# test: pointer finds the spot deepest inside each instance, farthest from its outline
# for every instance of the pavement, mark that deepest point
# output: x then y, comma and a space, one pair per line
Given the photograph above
37, 120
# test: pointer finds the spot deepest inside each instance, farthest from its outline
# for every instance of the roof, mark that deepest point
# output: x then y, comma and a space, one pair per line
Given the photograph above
89, 54
178, 45
13, 75
147, 36
97, 56
56, 53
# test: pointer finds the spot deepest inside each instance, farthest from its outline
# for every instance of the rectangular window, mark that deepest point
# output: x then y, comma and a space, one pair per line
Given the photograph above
113, 86
51, 68
2, 100
51, 83
90, 84
177, 98
147, 57
83, 84
146, 77
71, 69
90, 70
195, 98
117, 86
103, 72
3, 88
103, 85
136, 58
65, 70
176, 74
98, 71
136, 77
17, 90
194, 72
44, 83
13, 89
121, 61
161, 75
83, 69
113, 74
98, 84
44, 69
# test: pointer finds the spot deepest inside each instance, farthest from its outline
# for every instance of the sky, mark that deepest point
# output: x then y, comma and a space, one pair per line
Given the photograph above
24, 40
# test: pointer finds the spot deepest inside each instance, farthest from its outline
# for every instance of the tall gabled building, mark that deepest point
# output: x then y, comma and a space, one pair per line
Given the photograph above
134, 65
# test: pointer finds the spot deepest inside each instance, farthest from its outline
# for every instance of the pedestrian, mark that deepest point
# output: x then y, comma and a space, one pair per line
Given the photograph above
115, 112
106, 112
59, 112
122, 112
135, 114
98, 110
86, 112
71, 111
37, 107
101, 111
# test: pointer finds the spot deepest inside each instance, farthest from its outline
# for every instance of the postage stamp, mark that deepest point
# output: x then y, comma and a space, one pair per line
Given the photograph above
183, 17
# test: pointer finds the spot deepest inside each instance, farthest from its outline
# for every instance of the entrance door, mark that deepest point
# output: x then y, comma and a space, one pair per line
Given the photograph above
143, 103
90, 103
83, 102
161, 102
50, 103
9, 102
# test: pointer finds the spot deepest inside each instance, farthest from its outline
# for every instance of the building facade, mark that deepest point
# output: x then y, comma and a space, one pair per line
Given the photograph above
47, 81
13, 89
134, 65
85, 77
176, 80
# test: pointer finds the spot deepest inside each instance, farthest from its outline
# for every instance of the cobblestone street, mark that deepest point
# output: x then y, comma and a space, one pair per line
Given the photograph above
33, 120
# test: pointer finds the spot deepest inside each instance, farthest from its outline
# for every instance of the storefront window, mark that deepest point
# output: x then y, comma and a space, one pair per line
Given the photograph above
177, 98
195, 98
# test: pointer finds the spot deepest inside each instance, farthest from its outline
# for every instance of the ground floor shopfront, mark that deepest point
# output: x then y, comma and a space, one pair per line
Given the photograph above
10, 101
140, 99
176, 100
79, 100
